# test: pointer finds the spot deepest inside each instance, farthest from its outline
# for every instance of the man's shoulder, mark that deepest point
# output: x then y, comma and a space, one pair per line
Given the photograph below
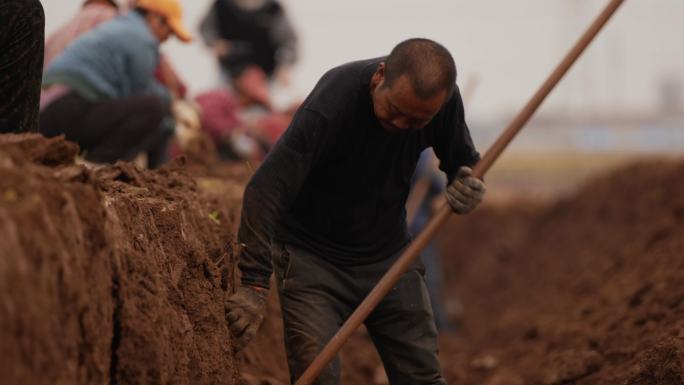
354, 69
339, 88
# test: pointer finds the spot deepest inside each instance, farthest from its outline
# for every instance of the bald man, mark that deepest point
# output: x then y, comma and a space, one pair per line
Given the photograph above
326, 209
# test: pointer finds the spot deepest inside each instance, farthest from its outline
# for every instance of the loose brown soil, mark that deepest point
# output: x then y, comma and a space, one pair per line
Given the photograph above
588, 290
111, 276
119, 276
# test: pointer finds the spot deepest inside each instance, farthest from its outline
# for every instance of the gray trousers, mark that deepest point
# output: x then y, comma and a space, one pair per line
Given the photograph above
316, 297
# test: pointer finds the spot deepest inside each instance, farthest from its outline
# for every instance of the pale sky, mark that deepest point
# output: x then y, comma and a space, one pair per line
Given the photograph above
510, 46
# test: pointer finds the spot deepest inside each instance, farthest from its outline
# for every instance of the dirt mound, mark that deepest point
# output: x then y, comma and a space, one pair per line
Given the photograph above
111, 276
35, 148
589, 290
119, 275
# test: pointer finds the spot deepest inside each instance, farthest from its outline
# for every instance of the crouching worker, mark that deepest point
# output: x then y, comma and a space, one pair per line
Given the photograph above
102, 93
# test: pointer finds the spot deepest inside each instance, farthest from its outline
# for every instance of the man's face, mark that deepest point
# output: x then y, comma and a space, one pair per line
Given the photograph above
159, 27
397, 108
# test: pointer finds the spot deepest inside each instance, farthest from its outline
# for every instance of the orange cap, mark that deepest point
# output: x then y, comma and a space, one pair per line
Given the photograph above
172, 11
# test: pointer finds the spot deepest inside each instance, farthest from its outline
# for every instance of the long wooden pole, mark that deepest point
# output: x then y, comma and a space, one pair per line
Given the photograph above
409, 255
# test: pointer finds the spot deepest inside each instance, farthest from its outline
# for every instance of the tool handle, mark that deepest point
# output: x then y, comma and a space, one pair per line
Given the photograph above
409, 255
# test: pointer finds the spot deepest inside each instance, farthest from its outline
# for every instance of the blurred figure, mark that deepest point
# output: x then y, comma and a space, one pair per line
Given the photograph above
250, 33
91, 14
102, 93
22, 34
254, 43
429, 184
222, 122
240, 121
239, 132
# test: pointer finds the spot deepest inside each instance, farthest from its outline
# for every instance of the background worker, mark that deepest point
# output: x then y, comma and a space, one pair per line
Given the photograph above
328, 204
92, 14
22, 33
89, 16
430, 184
250, 34
237, 128
102, 93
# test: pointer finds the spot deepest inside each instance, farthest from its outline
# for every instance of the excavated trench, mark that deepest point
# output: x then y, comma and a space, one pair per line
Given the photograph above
118, 276
586, 290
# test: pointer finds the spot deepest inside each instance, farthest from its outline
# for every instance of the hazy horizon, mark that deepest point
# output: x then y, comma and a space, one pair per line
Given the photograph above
509, 46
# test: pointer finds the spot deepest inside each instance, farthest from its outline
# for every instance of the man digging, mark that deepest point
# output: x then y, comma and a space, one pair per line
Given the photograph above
326, 209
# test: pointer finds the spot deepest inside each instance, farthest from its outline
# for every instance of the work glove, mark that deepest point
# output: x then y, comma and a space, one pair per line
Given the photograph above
188, 126
244, 313
465, 192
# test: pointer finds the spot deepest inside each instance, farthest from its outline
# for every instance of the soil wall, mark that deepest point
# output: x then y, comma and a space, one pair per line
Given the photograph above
119, 276
111, 276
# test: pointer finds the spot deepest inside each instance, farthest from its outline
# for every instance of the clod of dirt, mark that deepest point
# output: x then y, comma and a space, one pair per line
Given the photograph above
566, 367
484, 362
504, 379
661, 365
35, 148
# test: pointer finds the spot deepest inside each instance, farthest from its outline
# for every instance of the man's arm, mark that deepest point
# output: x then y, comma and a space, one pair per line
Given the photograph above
270, 192
456, 152
452, 142
141, 60
273, 189
210, 32
154, 88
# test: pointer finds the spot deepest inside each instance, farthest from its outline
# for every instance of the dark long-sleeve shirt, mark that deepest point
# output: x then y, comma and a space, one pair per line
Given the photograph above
336, 183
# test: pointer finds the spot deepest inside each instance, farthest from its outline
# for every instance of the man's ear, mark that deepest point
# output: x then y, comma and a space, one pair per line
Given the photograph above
379, 75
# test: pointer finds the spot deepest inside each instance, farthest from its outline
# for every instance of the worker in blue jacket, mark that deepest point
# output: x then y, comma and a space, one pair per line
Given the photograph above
102, 93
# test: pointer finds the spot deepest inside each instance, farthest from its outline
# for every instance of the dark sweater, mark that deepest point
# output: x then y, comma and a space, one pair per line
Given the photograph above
22, 37
336, 183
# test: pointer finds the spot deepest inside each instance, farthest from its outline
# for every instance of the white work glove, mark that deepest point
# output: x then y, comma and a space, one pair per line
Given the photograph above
244, 312
187, 114
465, 192
188, 124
